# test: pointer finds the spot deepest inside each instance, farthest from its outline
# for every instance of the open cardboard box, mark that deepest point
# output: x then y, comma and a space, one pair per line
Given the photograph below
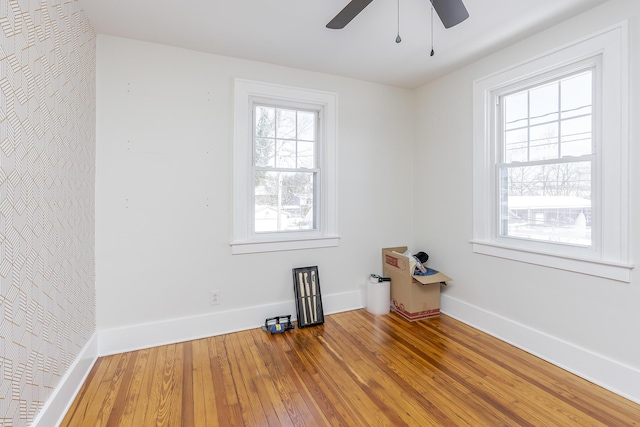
412, 297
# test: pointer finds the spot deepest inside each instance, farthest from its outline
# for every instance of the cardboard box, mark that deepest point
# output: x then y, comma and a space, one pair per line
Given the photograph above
412, 297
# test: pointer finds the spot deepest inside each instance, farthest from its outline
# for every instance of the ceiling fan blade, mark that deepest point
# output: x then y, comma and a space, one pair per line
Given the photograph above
451, 12
349, 12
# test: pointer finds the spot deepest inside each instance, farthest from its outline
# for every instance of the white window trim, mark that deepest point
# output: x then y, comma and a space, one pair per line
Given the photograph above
610, 259
243, 240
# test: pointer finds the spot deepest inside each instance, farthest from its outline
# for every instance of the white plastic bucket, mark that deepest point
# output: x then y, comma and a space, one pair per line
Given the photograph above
378, 296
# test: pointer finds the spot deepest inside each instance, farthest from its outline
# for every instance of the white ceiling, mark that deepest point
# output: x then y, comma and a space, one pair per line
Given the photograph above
292, 32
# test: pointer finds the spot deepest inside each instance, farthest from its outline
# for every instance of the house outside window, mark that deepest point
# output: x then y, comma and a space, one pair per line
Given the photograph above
550, 175
284, 168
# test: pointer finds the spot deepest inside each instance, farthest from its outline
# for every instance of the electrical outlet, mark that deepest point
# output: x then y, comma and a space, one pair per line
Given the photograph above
215, 298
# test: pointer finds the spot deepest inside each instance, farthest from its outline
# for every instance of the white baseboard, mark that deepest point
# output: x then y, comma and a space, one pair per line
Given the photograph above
136, 337
56, 407
614, 376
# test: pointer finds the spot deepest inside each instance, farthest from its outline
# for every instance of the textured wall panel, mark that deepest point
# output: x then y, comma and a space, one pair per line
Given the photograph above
47, 158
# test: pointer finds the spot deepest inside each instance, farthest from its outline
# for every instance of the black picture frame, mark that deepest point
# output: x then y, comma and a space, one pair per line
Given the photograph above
306, 286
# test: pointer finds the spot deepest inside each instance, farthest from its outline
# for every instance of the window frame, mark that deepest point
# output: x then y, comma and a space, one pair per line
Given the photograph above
247, 93
609, 256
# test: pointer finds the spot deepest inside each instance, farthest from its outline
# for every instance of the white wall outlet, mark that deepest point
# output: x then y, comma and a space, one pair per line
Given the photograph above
214, 298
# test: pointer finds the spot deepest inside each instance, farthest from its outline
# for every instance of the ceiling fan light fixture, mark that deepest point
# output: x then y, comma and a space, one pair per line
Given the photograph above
451, 12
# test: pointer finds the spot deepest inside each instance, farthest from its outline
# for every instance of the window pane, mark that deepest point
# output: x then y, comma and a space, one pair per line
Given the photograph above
306, 155
543, 103
516, 110
576, 95
576, 136
306, 125
265, 125
516, 146
284, 201
550, 203
286, 124
544, 142
286, 154
264, 152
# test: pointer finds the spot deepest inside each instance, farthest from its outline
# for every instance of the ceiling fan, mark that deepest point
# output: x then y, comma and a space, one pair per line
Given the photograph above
451, 12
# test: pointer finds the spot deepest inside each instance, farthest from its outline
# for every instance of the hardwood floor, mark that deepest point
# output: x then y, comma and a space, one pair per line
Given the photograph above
355, 370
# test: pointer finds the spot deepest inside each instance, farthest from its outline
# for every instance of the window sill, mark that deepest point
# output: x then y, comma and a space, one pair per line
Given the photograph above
593, 267
253, 246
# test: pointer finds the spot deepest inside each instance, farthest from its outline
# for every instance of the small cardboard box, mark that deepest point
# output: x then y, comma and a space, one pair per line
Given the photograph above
412, 297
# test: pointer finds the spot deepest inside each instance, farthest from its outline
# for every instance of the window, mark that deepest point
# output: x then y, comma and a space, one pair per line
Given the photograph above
284, 191
550, 159
547, 160
285, 172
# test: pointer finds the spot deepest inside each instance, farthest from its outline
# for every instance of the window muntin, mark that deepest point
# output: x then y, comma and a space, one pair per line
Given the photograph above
285, 169
547, 158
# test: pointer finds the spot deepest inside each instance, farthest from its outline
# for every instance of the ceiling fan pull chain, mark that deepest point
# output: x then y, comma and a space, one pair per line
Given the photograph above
398, 39
432, 51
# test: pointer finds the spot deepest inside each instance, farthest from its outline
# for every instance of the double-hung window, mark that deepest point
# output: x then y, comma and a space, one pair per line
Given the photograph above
285, 172
284, 168
550, 159
547, 158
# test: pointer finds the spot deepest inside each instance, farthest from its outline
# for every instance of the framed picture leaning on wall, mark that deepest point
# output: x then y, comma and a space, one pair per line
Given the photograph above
306, 286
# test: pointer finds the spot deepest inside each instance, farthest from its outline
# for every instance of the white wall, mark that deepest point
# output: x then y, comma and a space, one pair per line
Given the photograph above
587, 324
163, 174
163, 207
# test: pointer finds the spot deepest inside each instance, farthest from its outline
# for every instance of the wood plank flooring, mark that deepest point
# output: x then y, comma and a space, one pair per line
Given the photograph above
355, 370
